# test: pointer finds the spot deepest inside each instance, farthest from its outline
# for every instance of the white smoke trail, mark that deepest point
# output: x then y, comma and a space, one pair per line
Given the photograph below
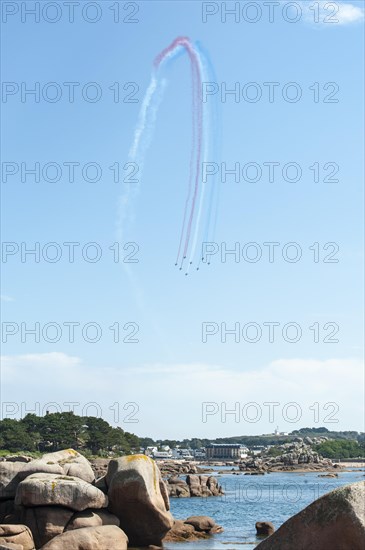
141, 141
206, 130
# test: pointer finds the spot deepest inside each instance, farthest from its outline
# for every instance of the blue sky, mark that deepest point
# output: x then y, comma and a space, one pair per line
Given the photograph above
170, 372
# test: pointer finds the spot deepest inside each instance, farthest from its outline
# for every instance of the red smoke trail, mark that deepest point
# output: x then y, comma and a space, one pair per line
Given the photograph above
197, 127
191, 167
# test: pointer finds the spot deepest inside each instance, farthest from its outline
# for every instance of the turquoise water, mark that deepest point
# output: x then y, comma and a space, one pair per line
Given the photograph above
272, 497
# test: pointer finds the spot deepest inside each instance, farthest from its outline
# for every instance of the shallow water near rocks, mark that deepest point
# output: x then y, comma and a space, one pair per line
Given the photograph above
273, 497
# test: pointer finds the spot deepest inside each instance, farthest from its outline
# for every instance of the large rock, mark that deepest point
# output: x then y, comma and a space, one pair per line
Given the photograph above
17, 534
12, 473
54, 490
194, 485
72, 463
264, 528
10, 546
92, 518
334, 521
108, 537
213, 486
205, 491
201, 523
45, 522
180, 531
178, 487
9, 479
39, 466
138, 497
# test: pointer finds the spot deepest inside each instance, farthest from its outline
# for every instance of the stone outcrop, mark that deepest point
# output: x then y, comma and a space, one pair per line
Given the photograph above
296, 455
72, 464
193, 528
55, 490
90, 538
139, 498
202, 523
334, 521
67, 462
178, 488
177, 468
54, 503
168, 468
194, 486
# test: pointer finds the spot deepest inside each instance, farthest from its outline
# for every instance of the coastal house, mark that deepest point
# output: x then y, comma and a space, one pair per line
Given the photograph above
224, 451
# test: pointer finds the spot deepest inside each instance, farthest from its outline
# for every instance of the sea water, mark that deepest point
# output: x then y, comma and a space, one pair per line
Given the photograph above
272, 497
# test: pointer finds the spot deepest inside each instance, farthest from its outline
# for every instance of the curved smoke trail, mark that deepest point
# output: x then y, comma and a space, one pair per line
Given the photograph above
202, 132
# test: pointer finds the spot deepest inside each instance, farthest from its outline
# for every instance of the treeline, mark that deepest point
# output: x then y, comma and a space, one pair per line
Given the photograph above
56, 431
256, 440
341, 448
94, 436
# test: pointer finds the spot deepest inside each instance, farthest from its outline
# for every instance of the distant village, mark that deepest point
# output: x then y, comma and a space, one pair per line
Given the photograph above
223, 451
213, 451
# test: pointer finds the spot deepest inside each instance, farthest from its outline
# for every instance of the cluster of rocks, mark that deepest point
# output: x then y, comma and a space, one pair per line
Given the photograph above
294, 455
253, 465
177, 468
194, 486
312, 440
56, 502
53, 503
300, 452
193, 528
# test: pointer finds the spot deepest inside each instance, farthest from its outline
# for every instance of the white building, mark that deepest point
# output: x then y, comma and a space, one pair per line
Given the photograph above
150, 451
182, 454
162, 455
200, 454
244, 452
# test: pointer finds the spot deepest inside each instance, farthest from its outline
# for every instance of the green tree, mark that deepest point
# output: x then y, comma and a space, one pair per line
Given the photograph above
98, 433
14, 437
340, 448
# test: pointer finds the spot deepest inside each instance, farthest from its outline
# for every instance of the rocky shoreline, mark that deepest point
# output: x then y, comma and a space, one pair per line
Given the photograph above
57, 502
63, 501
296, 457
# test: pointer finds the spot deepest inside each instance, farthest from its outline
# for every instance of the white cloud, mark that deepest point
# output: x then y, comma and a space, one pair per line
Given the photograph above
348, 13
331, 14
37, 368
170, 396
